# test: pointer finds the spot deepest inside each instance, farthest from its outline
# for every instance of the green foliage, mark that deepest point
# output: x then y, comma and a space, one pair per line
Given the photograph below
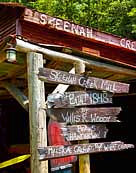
114, 16
132, 15
19, 1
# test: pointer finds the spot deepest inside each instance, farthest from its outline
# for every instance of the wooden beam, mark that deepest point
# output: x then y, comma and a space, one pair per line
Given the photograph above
84, 160
24, 46
37, 116
73, 29
17, 94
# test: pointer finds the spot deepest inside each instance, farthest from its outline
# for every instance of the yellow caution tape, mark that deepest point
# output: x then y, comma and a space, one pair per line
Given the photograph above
14, 161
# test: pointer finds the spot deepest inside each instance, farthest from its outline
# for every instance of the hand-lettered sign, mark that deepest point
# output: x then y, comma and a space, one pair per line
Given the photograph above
78, 98
83, 132
51, 75
70, 27
62, 151
84, 115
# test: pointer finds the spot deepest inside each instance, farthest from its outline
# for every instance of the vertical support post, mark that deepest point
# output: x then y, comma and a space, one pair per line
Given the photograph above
84, 160
37, 116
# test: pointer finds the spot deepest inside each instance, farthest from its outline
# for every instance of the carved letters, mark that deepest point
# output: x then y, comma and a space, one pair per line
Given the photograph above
56, 76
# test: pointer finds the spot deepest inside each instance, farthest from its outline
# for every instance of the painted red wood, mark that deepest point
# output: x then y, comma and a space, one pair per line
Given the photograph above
101, 44
55, 137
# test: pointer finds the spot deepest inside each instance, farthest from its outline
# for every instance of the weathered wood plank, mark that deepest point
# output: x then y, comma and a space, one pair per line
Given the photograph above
83, 132
84, 115
37, 116
56, 76
79, 98
51, 152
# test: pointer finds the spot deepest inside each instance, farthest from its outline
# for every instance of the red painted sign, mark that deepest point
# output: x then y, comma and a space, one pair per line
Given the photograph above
69, 27
56, 138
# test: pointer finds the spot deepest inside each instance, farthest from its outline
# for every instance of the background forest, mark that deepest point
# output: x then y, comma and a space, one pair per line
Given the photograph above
114, 16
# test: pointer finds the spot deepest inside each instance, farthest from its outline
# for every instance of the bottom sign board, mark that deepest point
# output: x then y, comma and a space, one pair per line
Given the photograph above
51, 152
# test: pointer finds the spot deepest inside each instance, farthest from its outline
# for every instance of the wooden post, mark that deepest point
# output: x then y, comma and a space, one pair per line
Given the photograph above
37, 116
84, 160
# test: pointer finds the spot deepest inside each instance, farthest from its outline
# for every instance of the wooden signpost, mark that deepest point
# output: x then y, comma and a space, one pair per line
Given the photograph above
56, 76
66, 109
79, 98
83, 132
51, 152
84, 115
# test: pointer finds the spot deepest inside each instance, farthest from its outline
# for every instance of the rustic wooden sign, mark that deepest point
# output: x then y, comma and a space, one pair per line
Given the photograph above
84, 115
70, 27
51, 75
78, 98
82, 132
51, 152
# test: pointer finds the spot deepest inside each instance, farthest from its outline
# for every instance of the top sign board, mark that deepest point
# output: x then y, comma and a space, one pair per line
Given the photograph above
69, 27
56, 76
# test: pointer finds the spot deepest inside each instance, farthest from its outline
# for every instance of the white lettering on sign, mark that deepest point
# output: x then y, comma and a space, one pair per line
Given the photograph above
43, 19
71, 118
66, 26
58, 76
97, 84
63, 25
100, 119
61, 151
74, 136
91, 98
128, 44
83, 132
